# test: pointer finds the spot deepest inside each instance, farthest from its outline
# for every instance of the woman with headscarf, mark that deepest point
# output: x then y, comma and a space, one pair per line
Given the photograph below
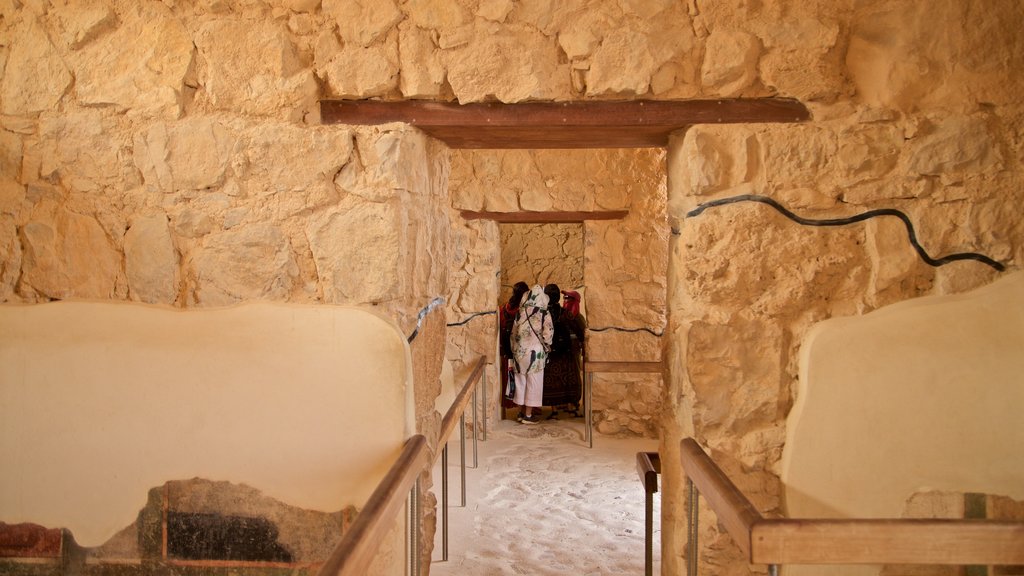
506, 316
562, 380
577, 323
531, 342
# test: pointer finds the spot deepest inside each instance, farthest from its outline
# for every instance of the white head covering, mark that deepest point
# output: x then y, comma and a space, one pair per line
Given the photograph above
535, 298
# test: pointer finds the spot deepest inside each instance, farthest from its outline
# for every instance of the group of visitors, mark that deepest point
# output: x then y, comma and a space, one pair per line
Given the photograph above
542, 346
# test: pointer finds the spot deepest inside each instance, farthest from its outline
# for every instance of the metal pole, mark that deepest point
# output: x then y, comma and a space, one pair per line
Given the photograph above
483, 382
773, 570
408, 525
419, 520
476, 422
414, 529
462, 452
648, 532
444, 503
590, 413
691, 546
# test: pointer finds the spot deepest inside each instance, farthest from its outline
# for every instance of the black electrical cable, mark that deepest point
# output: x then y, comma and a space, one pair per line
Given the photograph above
851, 220
658, 334
490, 312
474, 315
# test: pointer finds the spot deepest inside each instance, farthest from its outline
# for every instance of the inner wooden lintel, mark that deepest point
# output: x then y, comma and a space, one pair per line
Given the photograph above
544, 217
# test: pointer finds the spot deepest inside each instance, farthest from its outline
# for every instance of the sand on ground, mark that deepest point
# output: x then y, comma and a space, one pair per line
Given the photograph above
542, 502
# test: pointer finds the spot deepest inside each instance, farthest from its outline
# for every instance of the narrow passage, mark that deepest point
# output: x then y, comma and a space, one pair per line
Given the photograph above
541, 502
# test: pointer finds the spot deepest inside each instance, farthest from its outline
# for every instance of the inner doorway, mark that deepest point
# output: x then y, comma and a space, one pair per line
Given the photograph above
544, 254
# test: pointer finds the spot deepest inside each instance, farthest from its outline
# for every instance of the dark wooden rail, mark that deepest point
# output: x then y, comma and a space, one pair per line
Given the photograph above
849, 541
458, 407
624, 367
358, 546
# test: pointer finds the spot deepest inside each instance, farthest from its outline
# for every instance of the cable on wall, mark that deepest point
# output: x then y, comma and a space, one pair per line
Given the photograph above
618, 329
602, 329
474, 315
851, 220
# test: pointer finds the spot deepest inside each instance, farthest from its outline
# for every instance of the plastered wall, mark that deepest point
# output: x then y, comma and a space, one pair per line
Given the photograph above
923, 395
102, 401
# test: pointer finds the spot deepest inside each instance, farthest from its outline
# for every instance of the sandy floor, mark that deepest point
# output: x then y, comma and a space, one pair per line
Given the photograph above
541, 502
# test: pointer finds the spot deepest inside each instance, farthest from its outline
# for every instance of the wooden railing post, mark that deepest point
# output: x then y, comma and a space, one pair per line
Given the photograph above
648, 466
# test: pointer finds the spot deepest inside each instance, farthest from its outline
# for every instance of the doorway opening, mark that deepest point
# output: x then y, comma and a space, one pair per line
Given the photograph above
542, 254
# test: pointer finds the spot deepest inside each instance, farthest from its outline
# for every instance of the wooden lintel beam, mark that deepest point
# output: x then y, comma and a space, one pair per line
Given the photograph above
473, 137
553, 114
576, 124
544, 217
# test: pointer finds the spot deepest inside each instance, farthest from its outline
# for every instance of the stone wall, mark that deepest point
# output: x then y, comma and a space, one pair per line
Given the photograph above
168, 152
171, 153
541, 254
902, 121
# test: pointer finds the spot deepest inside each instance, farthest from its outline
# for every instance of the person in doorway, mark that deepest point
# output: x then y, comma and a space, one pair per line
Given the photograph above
577, 325
506, 316
562, 381
532, 331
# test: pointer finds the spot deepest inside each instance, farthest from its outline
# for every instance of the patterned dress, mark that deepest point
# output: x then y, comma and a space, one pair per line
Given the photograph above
531, 341
532, 333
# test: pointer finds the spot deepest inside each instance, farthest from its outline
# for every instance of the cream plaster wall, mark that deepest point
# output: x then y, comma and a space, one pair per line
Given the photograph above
920, 395
99, 402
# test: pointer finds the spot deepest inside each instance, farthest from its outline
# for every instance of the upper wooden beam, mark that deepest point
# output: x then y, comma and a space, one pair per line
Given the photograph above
544, 217
577, 124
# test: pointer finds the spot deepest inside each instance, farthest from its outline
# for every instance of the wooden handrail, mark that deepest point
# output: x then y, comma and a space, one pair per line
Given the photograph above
902, 541
735, 512
648, 466
451, 419
358, 546
849, 541
623, 367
